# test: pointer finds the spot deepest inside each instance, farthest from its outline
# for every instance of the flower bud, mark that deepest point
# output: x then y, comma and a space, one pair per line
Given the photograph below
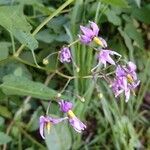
45, 61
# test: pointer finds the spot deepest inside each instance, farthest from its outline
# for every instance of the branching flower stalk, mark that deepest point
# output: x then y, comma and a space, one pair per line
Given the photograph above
122, 79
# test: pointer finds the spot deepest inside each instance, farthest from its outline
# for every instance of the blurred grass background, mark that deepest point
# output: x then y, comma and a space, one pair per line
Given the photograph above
111, 124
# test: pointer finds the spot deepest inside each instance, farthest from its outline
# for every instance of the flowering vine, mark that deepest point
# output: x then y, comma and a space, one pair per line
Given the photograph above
124, 81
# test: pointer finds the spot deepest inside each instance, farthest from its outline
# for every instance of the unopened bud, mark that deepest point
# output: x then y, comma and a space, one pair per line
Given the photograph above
45, 61
59, 95
100, 95
77, 69
82, 99
16, 55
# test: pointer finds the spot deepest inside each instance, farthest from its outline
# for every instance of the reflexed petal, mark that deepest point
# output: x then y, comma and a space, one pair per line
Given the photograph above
118, 92
120, 72
104, 56
110, 60
42, 119
114, 53
103, 61
127, 95
131, 66
134, 76
56, 120
42, 130
86, 31
94, 27
104, 42
41, 126
84, 39
134, 85
125, 83
77, 124
45, 121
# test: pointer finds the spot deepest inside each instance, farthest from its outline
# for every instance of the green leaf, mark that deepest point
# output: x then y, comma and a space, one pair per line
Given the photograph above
4, 50
138, 2
125, 134
5, 112
119, 3
26, 38
15, 68
2, 95
16, 23
1, 121
4, 138
127, 40
45, 36
59, 137
4, 2
113, 17
142, 14
132, 32
34, 119
17, 85
28, 2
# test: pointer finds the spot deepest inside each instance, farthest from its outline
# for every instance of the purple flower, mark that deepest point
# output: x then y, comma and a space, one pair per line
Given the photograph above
76, 123
128, 71
66, 107
46, 122
90, 34
104, 56
65, 55
126, 80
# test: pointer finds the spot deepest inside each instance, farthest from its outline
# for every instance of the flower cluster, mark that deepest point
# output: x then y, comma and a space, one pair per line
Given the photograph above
65, 107
89, 35
124, 81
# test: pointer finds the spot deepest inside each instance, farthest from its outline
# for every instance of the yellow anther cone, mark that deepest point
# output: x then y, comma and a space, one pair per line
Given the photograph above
98, 41
70, 114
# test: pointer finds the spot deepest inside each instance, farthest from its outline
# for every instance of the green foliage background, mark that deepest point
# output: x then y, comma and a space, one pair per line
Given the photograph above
41, 27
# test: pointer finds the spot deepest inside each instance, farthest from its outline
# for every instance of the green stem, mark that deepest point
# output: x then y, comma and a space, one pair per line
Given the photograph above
44, 23
51, 55
48, 108
51, 16
35, 61
65, 76
74, 42
27, 63
65, 86
13, 43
